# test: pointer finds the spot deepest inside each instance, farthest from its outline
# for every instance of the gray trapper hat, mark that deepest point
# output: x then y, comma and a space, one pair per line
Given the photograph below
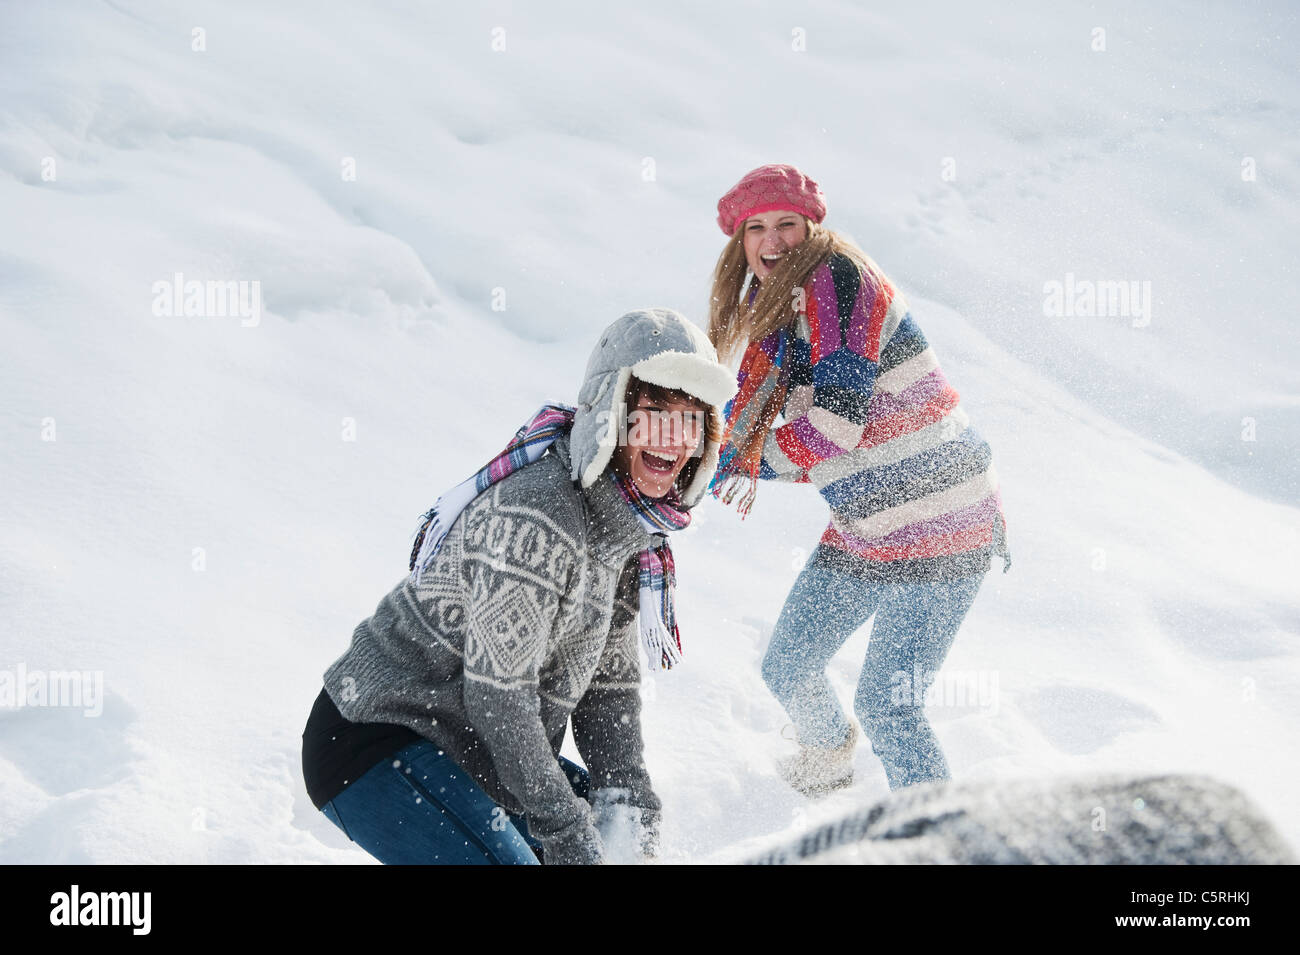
661, 347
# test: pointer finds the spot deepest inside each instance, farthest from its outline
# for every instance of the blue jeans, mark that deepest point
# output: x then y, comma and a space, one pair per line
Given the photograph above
417, 807
914, 628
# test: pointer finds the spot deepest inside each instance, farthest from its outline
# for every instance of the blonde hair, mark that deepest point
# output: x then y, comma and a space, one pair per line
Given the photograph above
733, 324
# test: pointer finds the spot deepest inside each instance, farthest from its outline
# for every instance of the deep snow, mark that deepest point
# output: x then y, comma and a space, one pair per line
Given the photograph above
1149, 622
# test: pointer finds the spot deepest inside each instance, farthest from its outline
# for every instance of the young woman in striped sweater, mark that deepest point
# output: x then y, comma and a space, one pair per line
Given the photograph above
871, 421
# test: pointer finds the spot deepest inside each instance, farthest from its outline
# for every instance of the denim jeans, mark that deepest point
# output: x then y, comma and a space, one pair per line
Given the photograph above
418, 807
914, 628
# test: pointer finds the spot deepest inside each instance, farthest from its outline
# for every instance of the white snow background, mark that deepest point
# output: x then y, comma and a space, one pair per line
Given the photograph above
1149, 621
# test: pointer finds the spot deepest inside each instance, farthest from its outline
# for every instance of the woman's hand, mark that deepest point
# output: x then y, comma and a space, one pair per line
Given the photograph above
580, 844
631, 832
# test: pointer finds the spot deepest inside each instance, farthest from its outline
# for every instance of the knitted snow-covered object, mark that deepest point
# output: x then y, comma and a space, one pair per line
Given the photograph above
1104, 820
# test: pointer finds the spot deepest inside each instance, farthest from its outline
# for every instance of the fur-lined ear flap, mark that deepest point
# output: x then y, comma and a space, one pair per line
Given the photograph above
606, 407
708, 464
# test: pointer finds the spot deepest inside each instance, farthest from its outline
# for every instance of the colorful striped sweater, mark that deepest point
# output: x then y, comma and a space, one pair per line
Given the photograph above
871, 420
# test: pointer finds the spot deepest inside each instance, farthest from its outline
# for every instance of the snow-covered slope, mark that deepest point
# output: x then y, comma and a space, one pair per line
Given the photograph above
507, 204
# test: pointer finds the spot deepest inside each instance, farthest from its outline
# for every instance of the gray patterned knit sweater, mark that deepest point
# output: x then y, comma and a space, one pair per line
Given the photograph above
526, 618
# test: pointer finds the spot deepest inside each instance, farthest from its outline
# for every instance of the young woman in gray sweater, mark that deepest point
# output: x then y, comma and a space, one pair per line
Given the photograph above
436, 737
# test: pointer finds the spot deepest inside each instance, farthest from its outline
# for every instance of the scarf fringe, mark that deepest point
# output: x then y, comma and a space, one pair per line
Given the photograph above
741, 458
658, 623
738, 485
426, 519
437, 521
657, 575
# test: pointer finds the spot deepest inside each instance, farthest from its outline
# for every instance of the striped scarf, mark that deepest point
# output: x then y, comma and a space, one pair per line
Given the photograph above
762, 384
658, 621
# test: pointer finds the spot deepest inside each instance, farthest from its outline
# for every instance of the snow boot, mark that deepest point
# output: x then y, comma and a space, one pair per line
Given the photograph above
815, 771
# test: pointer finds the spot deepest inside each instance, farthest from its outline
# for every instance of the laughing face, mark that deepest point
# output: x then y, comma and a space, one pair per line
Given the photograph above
768, 236
662, 436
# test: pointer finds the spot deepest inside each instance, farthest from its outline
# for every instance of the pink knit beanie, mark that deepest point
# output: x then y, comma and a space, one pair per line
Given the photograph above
766, 189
